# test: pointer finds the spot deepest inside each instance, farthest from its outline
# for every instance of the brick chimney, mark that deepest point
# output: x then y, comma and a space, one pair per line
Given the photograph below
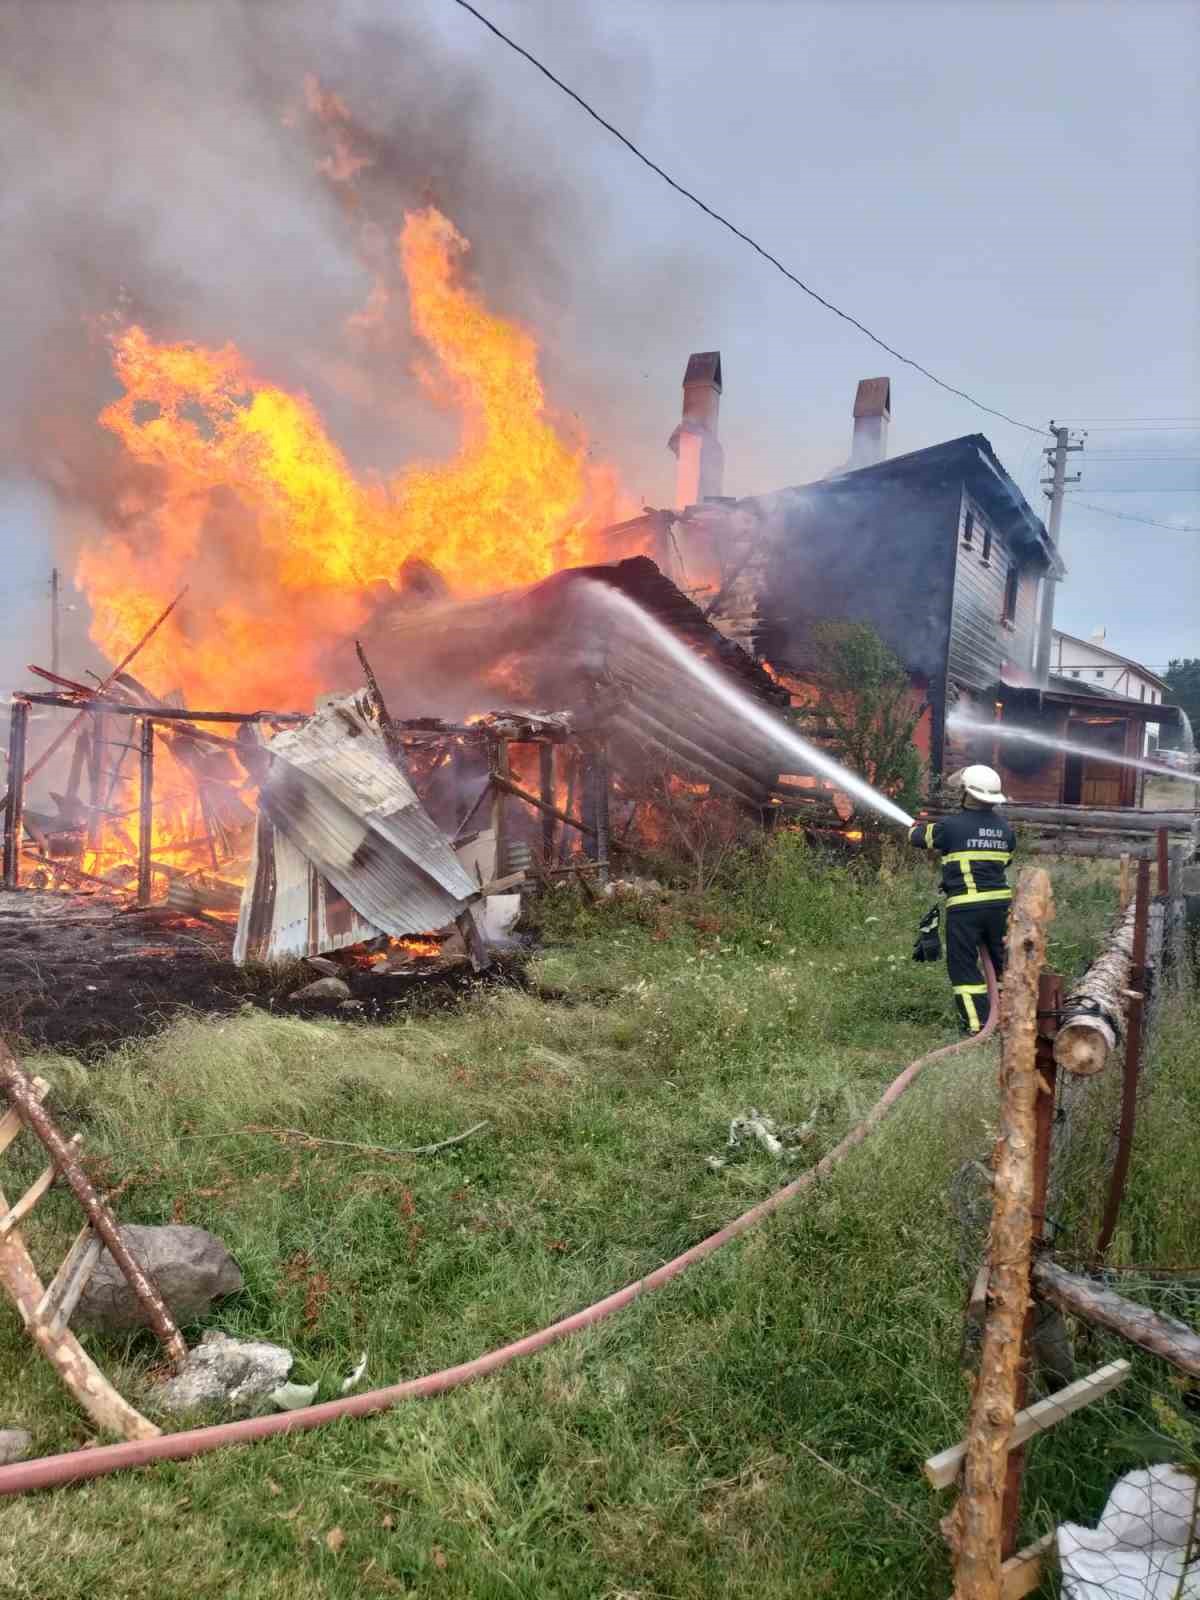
701, 470
872, 413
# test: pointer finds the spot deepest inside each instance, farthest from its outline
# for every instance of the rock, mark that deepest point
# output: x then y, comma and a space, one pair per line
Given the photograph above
323, 965
323, 989
191, 1267
15, 1445
227, 1372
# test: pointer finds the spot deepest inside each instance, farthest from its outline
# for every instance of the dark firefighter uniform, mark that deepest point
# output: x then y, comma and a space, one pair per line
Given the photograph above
976, 846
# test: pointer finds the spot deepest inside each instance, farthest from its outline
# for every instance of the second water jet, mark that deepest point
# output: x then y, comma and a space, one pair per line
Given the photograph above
960, 722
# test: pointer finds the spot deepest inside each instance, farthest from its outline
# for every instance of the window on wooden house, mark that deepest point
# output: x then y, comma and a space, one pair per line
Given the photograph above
1100, 674
1011, 584
968, 529
1143, 690
987, 546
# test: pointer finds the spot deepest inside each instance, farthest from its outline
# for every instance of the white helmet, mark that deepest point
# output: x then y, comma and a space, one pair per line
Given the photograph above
982, 784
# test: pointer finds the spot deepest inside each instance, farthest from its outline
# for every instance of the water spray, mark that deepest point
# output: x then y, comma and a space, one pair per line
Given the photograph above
961, 722
805, 754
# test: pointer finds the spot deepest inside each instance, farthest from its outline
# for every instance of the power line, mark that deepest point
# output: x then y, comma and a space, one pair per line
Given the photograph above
732, 227
1126, 516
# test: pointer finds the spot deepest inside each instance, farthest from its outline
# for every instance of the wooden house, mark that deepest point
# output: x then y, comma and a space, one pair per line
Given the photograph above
941, 553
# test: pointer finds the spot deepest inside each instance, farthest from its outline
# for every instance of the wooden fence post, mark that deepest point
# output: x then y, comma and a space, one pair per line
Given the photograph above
976, 1525
1049, 999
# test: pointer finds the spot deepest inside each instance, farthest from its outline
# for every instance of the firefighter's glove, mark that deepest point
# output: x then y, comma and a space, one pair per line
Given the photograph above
929, 936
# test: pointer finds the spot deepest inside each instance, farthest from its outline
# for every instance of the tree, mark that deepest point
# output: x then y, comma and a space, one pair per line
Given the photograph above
865, 709
1184, 679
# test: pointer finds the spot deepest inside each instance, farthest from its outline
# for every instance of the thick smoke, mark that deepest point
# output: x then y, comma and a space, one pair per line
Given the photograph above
166, 165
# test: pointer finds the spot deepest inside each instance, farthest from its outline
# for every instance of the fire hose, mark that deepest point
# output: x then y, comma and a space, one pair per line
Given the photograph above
76, 1466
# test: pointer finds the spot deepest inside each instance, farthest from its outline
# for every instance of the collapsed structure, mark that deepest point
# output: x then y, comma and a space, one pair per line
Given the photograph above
351, 829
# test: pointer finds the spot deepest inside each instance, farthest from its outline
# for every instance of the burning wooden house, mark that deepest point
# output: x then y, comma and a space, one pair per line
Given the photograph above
940, 552
353, 829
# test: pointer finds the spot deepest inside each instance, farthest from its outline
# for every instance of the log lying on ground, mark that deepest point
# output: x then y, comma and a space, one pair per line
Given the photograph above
1094, 1011
1093, 1302
1091, 847
975, 1527
1128, 821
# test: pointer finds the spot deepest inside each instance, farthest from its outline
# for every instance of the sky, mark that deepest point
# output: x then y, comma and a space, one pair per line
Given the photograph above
1005, 191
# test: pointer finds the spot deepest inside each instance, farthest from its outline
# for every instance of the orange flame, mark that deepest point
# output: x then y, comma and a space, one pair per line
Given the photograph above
259, 512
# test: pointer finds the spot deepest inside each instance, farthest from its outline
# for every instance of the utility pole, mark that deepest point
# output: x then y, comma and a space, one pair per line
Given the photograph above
1055, 487
55, 629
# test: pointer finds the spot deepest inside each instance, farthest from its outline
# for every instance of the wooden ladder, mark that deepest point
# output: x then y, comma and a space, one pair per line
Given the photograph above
46, 1310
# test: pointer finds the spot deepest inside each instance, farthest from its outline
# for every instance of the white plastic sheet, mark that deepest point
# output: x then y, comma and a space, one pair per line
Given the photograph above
1140, 1547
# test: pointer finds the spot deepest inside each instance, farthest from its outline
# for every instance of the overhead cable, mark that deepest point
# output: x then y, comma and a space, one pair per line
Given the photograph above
733, 228
1126, 516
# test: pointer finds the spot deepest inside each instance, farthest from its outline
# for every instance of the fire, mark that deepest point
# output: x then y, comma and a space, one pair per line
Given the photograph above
257, 510
400, 953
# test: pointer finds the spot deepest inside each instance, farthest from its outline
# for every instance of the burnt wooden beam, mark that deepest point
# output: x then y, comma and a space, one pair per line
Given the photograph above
14, 810
145, 882
78, 757
103, 707
564, 838
546, 785
500, 781
601, 783
387, 727
484, 791
97, 797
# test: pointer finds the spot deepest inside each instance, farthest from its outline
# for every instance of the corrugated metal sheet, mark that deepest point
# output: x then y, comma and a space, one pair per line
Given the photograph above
334, 797
288, 909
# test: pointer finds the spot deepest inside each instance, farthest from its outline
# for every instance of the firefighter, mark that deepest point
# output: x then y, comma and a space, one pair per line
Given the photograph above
976, 846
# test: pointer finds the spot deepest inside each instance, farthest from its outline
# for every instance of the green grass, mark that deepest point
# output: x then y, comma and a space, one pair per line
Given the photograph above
664, 1454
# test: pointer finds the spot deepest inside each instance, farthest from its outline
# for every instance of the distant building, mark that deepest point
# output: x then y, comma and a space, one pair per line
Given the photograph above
1090, 661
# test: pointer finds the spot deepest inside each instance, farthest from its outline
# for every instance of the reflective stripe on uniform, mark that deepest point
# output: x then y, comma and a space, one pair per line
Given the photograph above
966, 992
1003, 857
929, 826
978, 896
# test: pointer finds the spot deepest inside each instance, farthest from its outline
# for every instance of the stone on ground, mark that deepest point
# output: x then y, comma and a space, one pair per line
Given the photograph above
15, 1445
235, 1373
191, 1267
323, 989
